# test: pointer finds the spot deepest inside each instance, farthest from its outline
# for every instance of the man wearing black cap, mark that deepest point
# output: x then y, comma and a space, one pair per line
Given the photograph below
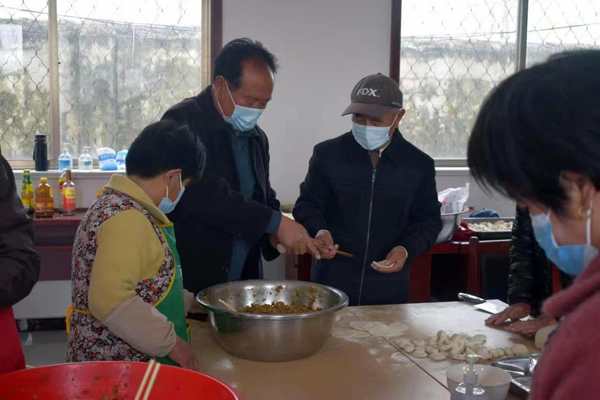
374, 194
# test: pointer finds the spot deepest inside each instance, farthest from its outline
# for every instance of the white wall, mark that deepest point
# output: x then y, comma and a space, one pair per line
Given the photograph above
324, 47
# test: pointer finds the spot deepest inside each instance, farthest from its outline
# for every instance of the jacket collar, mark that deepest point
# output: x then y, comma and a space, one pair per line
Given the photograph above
130, 188
216, 123
356, 153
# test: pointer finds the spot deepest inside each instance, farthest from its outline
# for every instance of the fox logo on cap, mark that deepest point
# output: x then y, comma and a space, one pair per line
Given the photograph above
367, 92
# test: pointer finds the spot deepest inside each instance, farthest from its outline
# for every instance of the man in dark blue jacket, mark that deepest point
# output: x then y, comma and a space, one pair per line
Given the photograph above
374, 194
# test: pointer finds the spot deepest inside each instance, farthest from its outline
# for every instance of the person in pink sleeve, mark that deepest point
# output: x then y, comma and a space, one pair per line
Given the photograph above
537, 140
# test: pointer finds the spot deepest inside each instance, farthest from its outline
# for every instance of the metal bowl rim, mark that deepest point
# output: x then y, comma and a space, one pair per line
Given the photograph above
273, 317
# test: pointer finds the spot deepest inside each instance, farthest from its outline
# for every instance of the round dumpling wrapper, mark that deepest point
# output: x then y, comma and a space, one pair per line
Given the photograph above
343, 334
400, 326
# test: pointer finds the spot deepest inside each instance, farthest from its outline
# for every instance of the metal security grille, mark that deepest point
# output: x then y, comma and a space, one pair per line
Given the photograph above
557, 25
122, 64
24, 82
453, 52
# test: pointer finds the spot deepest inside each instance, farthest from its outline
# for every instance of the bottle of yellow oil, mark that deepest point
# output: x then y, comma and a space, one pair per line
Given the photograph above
44, 201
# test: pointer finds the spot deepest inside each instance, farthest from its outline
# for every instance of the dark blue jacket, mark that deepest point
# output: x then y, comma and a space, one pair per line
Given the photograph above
369, 211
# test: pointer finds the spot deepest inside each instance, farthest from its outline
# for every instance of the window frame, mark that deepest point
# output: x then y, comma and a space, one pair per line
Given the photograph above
395, 54
212, 33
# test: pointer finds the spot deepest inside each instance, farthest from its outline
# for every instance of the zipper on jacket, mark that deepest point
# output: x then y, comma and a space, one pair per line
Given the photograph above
362, 278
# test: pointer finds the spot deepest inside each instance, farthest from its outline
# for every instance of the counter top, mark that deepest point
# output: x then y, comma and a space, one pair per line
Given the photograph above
356, 368
60, 219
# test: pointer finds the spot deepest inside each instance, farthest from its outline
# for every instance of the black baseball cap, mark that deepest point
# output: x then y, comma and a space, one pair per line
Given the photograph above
374, 95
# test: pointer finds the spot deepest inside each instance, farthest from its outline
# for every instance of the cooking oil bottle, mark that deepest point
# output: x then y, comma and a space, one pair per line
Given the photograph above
44, 201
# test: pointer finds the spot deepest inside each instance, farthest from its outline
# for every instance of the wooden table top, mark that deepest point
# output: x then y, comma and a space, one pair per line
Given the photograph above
356, 368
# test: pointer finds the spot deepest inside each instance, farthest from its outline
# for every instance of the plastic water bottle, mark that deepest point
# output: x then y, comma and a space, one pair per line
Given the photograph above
85, 160
121, 156
65, 161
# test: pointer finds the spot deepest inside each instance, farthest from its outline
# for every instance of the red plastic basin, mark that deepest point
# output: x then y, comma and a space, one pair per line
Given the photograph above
109, 381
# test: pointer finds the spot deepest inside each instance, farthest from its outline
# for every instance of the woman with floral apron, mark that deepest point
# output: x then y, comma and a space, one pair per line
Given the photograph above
128, 301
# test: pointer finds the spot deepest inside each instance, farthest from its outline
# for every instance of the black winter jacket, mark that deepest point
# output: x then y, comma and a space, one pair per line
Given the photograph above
213, 210
530, 274
19, 261
369, 211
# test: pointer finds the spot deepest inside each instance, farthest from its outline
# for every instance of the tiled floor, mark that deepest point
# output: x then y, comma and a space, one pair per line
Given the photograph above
44, 348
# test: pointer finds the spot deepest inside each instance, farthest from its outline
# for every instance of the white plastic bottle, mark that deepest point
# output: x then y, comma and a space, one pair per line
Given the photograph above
65, 161
470, 389
86, 163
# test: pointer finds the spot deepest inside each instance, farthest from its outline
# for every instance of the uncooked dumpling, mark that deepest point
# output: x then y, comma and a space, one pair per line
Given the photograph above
509, 351
420, 353
445, 347
418, 342
437, 356
343, 334
401, 342
408, 347
430, 350
399, 326
458, 357
479, 339
520, 349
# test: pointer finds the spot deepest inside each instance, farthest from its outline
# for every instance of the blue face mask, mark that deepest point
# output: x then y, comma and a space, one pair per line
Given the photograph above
243, 118
571, 259
371, 137
167, 205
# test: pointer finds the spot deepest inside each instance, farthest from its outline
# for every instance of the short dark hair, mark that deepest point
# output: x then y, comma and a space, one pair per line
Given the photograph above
164, 146
228, 63
536, 124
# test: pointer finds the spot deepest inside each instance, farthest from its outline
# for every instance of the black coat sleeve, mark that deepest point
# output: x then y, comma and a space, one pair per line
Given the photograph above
268, 252
425, 219
526, 277
310, 207
19, 262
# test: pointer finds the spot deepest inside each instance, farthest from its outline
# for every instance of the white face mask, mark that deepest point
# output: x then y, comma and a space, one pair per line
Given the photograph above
243, 118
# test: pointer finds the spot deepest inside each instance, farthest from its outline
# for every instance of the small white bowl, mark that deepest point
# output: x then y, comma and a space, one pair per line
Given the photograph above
495, 381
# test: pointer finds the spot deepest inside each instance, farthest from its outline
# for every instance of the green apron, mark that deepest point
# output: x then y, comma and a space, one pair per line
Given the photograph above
171, 304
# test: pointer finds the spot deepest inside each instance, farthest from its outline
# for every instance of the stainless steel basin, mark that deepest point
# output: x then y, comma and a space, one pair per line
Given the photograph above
450, 223
262, 337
